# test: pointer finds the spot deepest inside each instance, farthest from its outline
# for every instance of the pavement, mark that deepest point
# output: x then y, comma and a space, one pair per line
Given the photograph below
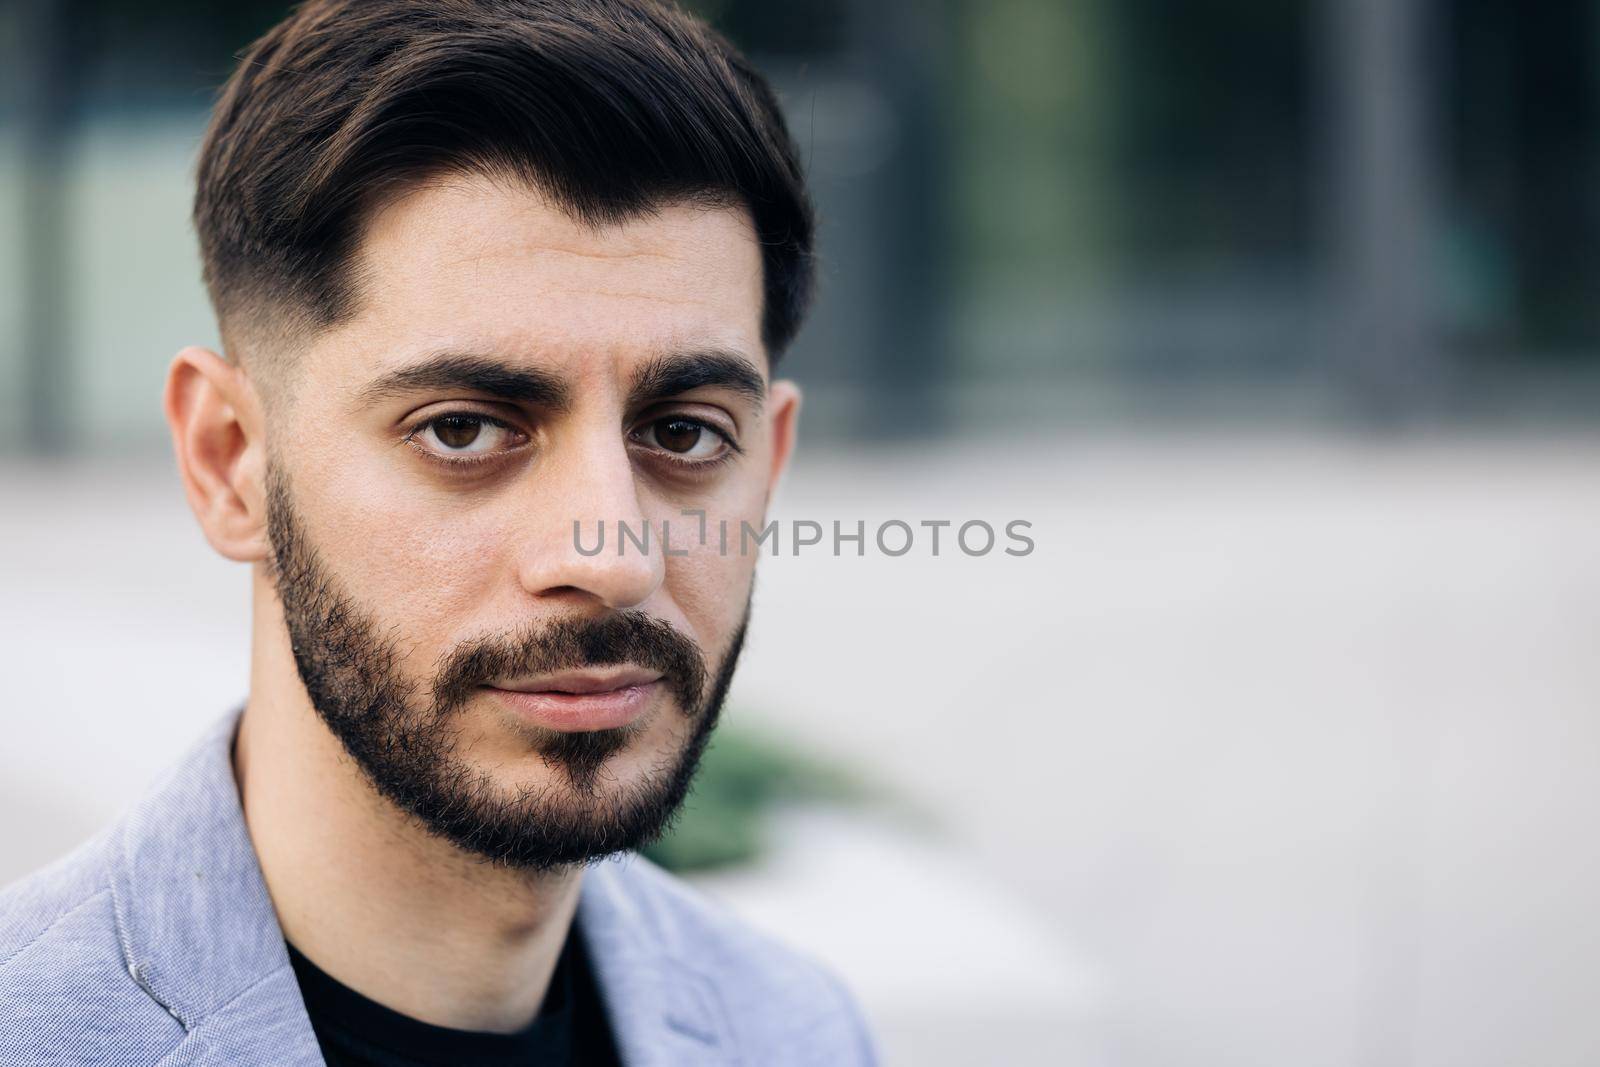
1276, 749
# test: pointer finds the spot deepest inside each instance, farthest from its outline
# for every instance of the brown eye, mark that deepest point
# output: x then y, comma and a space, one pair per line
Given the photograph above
678, 435
465, 435
457, 431
688, 440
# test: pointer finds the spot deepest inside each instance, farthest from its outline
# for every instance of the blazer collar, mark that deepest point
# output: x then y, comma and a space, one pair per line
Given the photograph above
662, 1009
200, 933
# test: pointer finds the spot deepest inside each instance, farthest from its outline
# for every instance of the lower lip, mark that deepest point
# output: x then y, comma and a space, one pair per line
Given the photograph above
572, 712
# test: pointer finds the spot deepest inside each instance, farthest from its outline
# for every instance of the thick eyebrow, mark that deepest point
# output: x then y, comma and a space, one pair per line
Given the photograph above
669, 375
479, 374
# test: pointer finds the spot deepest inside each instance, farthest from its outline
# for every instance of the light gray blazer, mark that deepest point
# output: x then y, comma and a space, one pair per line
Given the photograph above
156, 943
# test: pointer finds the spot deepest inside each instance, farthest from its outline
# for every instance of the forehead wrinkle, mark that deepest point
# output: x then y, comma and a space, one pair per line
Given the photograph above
541, 251
518, 269
653, 298
678, 291
492, 247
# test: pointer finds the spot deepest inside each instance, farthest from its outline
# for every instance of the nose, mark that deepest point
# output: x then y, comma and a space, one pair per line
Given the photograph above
586, 496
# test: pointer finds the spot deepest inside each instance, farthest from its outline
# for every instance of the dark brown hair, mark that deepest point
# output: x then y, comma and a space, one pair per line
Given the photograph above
610, 107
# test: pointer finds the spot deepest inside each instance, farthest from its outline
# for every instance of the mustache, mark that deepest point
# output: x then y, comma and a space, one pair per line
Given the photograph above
619, 639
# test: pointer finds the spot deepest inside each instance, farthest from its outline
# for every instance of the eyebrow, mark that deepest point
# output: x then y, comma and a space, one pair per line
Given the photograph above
669, 375
662, 377
478, 374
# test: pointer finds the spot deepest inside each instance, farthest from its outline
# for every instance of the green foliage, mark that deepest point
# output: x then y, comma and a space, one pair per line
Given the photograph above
744, 775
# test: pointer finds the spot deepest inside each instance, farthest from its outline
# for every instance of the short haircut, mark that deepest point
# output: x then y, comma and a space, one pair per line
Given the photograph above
612, 108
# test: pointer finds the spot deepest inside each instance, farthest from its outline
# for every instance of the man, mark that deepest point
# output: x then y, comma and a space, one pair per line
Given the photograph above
490, 275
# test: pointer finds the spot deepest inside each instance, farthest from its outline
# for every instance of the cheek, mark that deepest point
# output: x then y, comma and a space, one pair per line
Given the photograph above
710, 589
424, 571
710, 585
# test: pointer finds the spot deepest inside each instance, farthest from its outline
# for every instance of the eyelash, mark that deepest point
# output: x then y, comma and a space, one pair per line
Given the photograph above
466, 462
460, 462
694, 466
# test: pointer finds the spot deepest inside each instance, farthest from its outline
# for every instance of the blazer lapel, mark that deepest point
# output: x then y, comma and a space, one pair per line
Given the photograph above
663, 1012
196, 922
202, 938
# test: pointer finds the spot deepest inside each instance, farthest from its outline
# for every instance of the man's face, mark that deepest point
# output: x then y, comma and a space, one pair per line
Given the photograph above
512, 373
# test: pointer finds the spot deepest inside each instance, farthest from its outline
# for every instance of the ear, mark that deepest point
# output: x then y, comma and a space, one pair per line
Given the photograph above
783, 415
218, 435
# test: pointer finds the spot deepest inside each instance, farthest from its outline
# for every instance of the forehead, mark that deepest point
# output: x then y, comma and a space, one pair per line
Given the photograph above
469, 262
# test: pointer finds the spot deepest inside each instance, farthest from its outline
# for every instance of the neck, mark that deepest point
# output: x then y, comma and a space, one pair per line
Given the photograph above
400, 916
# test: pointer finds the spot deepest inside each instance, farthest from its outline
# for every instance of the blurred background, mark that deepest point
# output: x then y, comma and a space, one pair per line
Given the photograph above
1276, 319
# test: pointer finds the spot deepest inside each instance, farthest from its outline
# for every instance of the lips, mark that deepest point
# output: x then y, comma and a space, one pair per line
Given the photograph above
598, 699
581, 682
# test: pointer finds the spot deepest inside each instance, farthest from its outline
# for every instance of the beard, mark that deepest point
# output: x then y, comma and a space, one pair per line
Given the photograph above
404, 734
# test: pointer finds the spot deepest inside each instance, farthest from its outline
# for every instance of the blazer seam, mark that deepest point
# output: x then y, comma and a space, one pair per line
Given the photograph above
205, 1019
197, 1031
125, 934
57, 921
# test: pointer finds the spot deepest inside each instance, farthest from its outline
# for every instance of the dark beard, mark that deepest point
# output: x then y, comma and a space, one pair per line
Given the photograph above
407, 749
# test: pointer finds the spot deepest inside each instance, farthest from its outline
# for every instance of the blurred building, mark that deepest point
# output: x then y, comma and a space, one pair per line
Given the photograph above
1035, 212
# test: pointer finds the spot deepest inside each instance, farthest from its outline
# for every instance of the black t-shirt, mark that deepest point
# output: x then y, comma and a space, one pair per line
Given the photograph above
570, 1029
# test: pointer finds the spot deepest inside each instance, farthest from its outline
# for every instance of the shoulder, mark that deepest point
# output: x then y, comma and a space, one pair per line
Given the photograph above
61, 961
35, 909
775, 997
